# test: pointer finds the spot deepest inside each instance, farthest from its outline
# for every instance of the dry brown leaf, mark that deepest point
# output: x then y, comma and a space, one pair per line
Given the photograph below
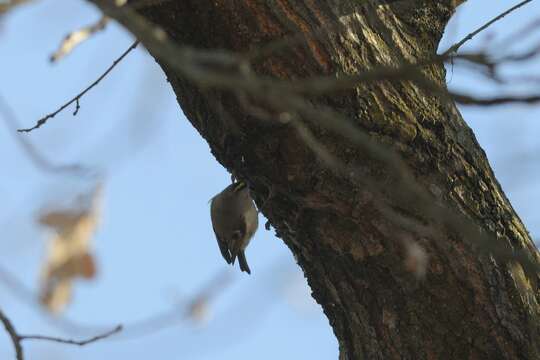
75, 38
199, 311
69, 254
5, 6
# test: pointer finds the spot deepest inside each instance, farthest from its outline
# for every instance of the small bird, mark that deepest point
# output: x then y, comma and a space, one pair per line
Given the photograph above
235, 221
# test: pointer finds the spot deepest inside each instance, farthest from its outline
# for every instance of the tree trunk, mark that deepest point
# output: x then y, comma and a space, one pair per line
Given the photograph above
356, 254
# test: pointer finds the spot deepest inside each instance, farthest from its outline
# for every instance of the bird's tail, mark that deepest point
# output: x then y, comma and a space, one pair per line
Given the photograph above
243, 262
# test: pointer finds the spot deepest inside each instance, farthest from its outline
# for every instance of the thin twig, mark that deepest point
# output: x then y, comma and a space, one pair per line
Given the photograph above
493, 101
454, 48
185, 310
69, 341
226, 70
76, 99
30, 298
15, 338
527, 30
153, 323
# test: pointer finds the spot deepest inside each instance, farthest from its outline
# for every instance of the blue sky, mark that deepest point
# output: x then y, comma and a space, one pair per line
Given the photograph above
155, 246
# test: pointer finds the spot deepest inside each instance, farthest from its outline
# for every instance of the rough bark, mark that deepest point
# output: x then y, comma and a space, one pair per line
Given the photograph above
469, 306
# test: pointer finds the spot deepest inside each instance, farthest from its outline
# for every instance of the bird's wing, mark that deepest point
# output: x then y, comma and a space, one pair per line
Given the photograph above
223, 248
237, 238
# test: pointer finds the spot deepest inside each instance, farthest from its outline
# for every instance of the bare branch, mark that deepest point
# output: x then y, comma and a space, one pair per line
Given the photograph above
72, 342
454, 48
188, 309
15, 338
77, 98
493, 101
75, 38
30, 298
522, 33
194, 63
